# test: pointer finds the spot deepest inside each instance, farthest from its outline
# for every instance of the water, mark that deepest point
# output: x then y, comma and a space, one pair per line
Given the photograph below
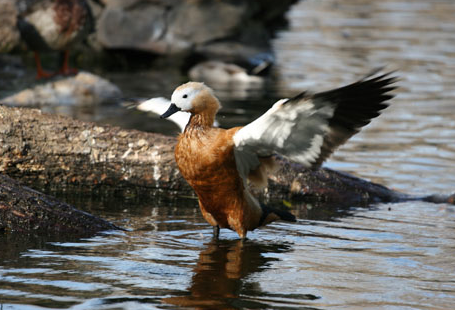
411, 146
371, 259
398, 256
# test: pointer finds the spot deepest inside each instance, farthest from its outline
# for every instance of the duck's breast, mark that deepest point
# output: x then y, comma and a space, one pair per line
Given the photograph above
207, 162
206, 158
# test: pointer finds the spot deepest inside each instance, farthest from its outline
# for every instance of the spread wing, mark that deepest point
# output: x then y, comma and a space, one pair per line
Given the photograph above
309, 127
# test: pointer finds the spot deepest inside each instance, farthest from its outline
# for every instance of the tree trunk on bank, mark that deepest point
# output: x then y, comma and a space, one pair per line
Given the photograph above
56, 153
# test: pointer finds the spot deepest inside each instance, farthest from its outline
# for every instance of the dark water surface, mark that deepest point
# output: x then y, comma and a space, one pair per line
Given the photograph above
398, 256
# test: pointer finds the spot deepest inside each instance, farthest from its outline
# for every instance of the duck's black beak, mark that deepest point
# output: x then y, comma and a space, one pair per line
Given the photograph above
172, 109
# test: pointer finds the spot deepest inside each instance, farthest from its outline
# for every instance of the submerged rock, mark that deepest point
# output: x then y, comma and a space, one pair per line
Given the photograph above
83, 89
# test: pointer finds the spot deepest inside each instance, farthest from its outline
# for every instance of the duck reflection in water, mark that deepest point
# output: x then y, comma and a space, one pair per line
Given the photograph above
219, 276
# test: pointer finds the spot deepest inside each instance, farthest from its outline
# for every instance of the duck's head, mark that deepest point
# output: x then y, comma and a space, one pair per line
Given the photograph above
193, 97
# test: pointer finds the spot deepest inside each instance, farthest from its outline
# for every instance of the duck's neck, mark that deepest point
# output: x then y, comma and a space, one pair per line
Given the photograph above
200, 121
203, 113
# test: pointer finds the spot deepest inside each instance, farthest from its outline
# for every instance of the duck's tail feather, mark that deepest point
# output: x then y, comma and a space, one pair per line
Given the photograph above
270, 214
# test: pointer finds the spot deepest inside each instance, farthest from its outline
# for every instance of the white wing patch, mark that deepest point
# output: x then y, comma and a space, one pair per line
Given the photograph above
295, 130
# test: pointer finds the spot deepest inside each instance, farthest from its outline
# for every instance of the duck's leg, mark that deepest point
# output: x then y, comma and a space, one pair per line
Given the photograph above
65, 69
216, 231
40, 73
242, 233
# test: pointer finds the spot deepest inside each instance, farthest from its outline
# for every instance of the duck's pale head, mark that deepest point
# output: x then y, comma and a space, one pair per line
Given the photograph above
193, 97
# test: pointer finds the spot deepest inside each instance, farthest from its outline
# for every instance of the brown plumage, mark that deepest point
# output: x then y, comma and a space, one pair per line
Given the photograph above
219, 163
205, 157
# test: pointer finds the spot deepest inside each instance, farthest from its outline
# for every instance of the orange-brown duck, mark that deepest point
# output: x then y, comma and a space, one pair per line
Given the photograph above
220, 164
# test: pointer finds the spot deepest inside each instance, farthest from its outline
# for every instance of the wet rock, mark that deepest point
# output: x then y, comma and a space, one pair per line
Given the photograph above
83, 89
9, 34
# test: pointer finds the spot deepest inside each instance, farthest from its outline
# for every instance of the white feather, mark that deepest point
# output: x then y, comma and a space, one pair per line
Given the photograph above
294, 130
183, 97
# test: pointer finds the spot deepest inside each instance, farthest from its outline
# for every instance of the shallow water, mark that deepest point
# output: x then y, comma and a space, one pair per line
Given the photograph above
392, 256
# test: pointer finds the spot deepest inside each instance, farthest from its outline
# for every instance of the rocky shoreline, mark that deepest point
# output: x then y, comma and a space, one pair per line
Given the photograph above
138, 35
233, 31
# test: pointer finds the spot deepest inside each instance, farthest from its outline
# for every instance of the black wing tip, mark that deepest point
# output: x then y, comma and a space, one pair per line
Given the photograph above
372, 84
358, 103
373, 88
385, 81
375, 74
355, 106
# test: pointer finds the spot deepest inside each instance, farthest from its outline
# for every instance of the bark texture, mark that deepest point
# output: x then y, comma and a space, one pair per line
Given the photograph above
49, 151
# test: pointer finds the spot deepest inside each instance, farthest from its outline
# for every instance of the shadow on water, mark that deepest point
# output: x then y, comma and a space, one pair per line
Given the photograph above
220, 275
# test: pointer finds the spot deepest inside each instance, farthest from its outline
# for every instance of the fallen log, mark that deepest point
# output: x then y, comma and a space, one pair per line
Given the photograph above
23, 209
47, 151
53, 152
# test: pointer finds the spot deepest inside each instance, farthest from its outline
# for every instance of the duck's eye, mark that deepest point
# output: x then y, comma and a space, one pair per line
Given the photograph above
185, 96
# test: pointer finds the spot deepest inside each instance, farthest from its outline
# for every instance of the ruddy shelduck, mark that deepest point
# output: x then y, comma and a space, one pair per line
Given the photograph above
221, 164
